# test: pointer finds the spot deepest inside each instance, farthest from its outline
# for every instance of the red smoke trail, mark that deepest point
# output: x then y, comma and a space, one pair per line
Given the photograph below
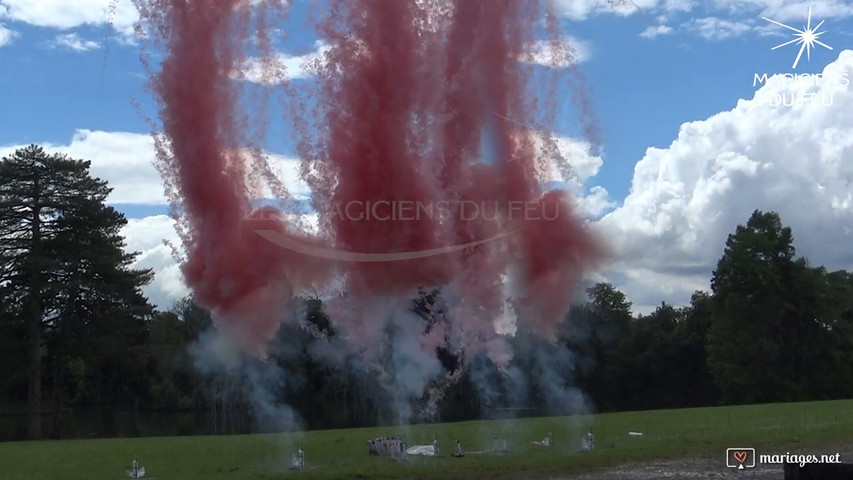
229, 267
373, 149
409, 92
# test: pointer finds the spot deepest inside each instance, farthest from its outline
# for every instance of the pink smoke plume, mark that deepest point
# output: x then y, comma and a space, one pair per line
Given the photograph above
409, 93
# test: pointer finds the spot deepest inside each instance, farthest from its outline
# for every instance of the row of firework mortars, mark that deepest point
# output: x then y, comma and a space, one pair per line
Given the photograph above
398, 449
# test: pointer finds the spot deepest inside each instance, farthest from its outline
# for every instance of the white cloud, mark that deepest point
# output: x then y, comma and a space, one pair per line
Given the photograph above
686, 199
572, 169
6, 36
723, 18
583, 9
65, 14
561, 53
591, 201
594, 203
566, 52
781, 10
770, 30
154, 238
123, 159
69, 14
126, 161
148, 236
578, 10
679, 5
713, 28
578, 154
74, 42
652, 32
282, 66
787, 10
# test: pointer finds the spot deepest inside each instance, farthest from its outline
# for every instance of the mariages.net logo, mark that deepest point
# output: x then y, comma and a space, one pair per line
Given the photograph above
740, 458
743, 458
807, 38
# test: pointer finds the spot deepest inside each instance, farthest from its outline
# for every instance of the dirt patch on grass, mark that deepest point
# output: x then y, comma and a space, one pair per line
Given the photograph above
680, 469
703, 468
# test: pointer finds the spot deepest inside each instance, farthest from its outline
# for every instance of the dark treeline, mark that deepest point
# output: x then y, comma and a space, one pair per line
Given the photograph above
76, 332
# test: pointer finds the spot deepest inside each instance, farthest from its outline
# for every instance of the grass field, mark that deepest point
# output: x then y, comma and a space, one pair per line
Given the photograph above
342, 454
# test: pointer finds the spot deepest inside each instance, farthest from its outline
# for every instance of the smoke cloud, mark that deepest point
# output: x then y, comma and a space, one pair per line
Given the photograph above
416, 102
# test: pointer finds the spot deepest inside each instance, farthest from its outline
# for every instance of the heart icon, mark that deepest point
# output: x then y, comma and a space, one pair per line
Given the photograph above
740, 456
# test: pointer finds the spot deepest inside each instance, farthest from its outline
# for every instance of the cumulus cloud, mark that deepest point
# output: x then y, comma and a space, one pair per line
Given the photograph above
591, 200
722, 19
126, 161
654, 31
123, 159
149, 237
782, 10
66, 14
282, 66
562, 53
583, 9
679, 5
713, 28
6, 36
69, 14
786, 10
566, 52
783, 150
72, 41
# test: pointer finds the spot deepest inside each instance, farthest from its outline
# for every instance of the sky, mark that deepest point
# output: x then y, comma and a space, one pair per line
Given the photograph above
693, 137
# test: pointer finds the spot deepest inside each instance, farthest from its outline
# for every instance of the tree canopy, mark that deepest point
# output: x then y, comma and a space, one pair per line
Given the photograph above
774, 318
67, 277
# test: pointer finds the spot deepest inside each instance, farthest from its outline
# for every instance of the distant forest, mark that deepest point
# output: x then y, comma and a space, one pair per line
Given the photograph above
76, 331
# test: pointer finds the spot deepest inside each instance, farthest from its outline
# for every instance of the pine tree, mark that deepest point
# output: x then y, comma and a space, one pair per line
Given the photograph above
62, 258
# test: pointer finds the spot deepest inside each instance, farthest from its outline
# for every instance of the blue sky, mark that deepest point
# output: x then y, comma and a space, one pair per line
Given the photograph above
60, 81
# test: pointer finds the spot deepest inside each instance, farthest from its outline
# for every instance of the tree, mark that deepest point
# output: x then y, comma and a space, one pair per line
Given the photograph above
744, 342
643, 367
63, 263
175, 382
777, 323
594, 332
837, 376
691, 336
816, 330
103, 308
608, 317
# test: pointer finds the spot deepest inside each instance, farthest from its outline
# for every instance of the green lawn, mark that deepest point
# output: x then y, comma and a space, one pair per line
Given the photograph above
342, 454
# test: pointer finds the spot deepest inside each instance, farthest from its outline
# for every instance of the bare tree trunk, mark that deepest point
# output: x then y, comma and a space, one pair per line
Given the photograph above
34, 370
64, 328
58, 397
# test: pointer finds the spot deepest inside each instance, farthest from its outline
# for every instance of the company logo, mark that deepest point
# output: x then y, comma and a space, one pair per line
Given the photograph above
791, 89
807, 38
740, 458
509, 216
347, 256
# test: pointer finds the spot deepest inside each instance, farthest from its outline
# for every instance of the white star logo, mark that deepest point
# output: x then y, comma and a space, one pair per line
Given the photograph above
808, 36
